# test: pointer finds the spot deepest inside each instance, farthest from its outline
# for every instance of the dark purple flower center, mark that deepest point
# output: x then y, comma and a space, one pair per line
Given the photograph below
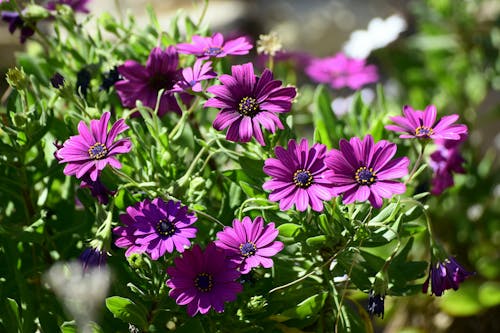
248, 249
248, 106
302, 178
424, 131
192, 83
166, 228
213, 51
365, 176
162, 81
203, 282
98, 151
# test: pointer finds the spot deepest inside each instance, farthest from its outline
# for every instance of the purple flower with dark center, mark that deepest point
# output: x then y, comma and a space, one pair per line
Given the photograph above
203, 280
76, 5
362, 170
156, 227
340, 71
144, 83
192, 76
376, 304
93, 258
247, 102
443, 275
208, 47
93, 148
15, 21
250, 244
97, 189
298, 176
420, 124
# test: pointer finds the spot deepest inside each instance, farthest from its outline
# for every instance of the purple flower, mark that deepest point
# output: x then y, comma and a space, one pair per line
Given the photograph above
207, 47
191, 77
76, 5
57, 80
298, 176
376, 304
15, 21
362, 170
144, 83
340, 71
110, 78
247, 102
250, 244
156, 227
420, 124
93, 148
445, 275
97, 188
203, 280
93, 258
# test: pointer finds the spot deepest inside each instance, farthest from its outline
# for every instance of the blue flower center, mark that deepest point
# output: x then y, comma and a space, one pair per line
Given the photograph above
203, 282
302, 178
213, 51
365, 176
192, 82
248, 106
424, 131
248, 249
166, 228
98, 151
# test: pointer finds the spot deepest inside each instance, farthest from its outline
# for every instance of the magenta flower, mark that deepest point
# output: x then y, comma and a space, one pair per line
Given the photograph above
298, 176
191, 77
250, 244
97, 189
93, 258
156, 227
247, 102
420, 124
362, 170
340, 71
15, 21
144, 83
203, 280
207, 47
93, 148
76, 5
446, 274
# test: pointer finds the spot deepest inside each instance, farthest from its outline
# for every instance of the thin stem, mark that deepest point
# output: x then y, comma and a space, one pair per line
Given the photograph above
208, 216
417, 162
203, 13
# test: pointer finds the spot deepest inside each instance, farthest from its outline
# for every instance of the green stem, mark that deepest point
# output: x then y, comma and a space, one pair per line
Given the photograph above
417, 162
203, 13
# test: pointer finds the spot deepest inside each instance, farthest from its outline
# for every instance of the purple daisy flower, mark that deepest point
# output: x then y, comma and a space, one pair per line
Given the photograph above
207, 47
93, 148
247, 102
97, 189
445, 275
156, 227
76, 5
362, 170
250, 244
298, 176
203, 280
15, 21
143, 83
191, 77
420, 124
340, 71
92, 257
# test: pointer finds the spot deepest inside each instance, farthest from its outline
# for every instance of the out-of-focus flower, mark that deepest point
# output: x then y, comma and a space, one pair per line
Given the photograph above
92, 257
379, 34
15, 21
298, 176
110, 78
420, 124
376, 304
57, 80
208, 47
192, 76
97, 188
156, 227
248, 102
250, 244
445, 274
298, 60
269, 44
82, 81
362, 170
203, 279
340, 71
93, 148
342, 105
76, 5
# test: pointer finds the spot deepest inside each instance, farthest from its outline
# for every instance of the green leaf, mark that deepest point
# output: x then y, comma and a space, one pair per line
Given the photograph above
11, 319
126, 310
463, 302
289, 229
308, 307
191, 325
489, 293
316, 241
386, 215
324, 118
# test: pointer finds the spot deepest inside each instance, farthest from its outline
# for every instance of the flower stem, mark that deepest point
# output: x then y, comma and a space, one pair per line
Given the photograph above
417, 162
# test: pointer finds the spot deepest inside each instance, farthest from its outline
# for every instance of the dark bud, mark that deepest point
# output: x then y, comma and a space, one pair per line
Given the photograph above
93, 258
57, 80
110, 78
376, 304
82, 81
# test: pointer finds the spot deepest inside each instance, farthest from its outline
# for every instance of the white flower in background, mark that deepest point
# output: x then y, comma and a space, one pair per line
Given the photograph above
269, 44
379, 34
342, 105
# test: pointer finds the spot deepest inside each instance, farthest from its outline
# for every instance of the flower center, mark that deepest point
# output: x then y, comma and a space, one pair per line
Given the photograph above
302, 178
203, 282
424, 131
166, 228
192, 83
248, 249
213, 51
98, 151
162, 81
248, 106
365, 176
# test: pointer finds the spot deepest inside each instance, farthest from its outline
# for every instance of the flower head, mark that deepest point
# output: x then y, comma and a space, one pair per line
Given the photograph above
269, 44
298, 176
208, 47
57, 80
143, 83
203, 279
248, 102
376, 304
443, 275
76, 5
340, 71
92, 257
362, 170
156, 227
15, 21
192, 76
250, 244
97, 189
93, 148
421, 125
